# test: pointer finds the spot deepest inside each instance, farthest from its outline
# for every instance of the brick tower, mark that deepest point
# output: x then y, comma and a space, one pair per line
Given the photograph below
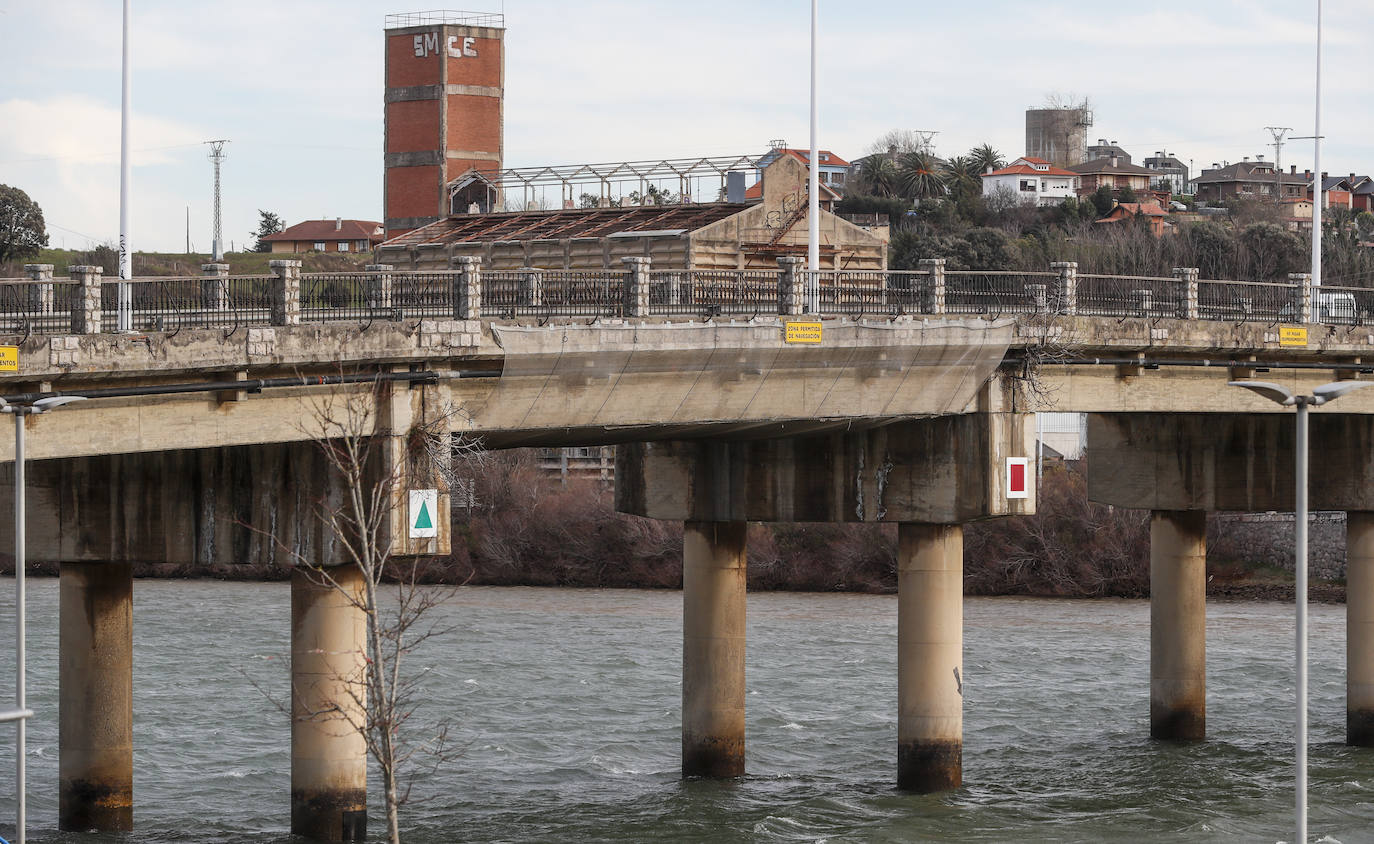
445, 76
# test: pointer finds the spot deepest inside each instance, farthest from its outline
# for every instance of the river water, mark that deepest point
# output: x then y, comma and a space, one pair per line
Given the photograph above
566, 706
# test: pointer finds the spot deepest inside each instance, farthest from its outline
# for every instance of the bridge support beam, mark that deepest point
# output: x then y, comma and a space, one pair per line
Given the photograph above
328, 751
713, 613
1359, 628
930, 645
1178, 624
95, 692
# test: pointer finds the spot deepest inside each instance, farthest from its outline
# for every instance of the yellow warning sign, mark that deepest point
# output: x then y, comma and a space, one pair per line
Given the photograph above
9, 358
1292, 335
802, 332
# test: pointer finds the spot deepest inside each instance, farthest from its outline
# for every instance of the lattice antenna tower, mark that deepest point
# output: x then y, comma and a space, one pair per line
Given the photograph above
217, 155
926, 136
1278, 133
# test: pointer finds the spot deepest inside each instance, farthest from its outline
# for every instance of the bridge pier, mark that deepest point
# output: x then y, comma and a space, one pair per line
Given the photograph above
328, 705
1178, 624
95, 693
1359, 628
713, 641
930, 644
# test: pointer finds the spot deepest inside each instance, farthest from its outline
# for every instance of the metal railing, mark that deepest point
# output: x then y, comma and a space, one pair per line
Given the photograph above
994, 293
87, 303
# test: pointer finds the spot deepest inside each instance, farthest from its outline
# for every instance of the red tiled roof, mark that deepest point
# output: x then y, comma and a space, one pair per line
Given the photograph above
804, 155
329, 230
1027, 170
1033, 160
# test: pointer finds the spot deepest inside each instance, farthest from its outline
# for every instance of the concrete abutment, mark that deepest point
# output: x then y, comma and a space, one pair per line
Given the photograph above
1359, 628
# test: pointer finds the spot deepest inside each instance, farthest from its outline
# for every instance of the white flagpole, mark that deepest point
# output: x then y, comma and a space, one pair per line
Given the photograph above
813, 221
125, 186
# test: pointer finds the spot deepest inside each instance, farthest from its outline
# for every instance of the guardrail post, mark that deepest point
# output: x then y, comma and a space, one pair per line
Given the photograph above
636, 285
286, 292
679, 287
531, 286
215, 288
377, 292
86, 299
1066, 291
41, 297
933, 300
791, 286
1188, 301
1303, 297
467, 287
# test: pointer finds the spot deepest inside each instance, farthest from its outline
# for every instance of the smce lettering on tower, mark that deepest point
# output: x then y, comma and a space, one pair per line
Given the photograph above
428, 44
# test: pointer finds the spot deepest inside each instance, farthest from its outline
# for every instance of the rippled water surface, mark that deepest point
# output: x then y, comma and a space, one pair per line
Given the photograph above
566, 702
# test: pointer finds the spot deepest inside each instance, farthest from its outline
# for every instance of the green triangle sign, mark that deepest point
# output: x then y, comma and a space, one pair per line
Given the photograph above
423, 521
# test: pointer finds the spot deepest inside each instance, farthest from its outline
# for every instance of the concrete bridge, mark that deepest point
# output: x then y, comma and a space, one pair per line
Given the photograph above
906, 397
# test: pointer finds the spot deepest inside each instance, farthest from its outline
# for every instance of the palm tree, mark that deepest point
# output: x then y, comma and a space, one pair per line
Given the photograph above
961, 176
986, 158
919, 176
878, 175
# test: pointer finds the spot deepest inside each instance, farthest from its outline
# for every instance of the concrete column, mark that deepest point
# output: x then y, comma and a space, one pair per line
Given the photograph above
930, 657
713, 559
467, 287
933, 302
41, 297
378, 292
1359, 629
636, 285
791, 286
86, 316
1302, 296
215, 287
286, 292
1066, 291
328, 752
1188, 295
531, 286
1178, 624
95, 694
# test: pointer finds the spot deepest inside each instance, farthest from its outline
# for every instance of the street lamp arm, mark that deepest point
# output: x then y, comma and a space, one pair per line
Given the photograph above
1334, 390
1268, 389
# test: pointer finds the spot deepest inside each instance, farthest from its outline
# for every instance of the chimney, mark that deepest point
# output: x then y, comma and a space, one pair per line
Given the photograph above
1352, 178
338, 224
1113, 160
1324, 176
1292, 169
1102, 142
1307, 174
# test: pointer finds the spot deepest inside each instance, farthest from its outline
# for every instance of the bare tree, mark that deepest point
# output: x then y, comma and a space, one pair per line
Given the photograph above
369, 475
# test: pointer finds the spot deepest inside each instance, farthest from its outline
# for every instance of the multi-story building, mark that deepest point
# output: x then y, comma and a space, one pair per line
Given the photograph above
1169, 169
1108, 149
1112, 173
833, 171
1250, 180
1032, 180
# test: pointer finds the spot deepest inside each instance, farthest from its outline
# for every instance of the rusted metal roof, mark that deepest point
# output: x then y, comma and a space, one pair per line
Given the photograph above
571, 222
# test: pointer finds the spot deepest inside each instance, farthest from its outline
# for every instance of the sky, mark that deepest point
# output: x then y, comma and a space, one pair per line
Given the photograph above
296, 87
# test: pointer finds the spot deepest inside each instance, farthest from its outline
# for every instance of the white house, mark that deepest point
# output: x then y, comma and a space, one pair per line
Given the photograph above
1033, 181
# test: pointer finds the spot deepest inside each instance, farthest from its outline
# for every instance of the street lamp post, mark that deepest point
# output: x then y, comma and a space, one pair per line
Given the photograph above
1320, 395
21, 713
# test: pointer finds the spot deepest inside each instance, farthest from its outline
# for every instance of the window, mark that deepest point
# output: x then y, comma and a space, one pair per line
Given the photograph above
1028, 185
1042, 184
319, 246
362, 246
343, 246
